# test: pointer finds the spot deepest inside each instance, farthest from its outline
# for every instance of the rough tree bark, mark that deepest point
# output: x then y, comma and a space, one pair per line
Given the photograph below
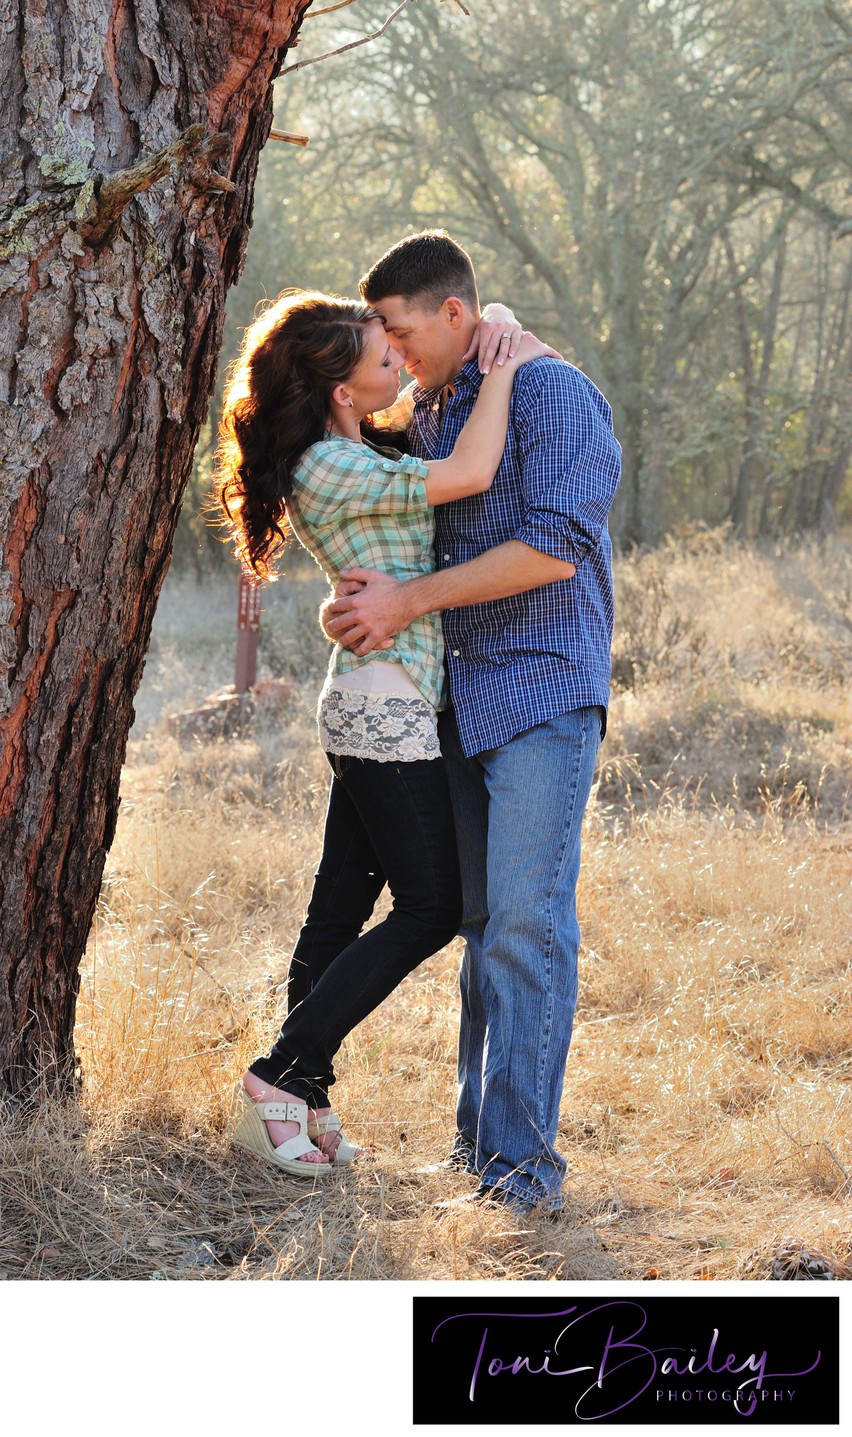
129, 139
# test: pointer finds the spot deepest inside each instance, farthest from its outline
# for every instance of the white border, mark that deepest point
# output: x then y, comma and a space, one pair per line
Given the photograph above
241, 1358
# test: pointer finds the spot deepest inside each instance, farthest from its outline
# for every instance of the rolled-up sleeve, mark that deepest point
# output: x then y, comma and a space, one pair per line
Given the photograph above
570, 460
400, 413
338, 479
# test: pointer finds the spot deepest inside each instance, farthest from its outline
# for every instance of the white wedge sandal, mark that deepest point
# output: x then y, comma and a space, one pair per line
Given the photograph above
330, 1123
248, 1130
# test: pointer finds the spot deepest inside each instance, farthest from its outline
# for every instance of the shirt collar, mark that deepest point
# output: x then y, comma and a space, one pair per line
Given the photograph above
468, 377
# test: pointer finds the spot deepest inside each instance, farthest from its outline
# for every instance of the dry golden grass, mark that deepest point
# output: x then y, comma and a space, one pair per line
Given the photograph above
707, 1114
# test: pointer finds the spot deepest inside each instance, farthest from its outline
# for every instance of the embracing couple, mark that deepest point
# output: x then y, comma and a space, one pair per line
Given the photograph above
467, 692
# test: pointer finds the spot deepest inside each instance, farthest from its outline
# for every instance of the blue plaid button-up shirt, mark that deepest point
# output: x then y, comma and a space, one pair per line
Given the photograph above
517, 662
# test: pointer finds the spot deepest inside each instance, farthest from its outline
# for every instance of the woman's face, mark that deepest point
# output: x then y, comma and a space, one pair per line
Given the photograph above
374, 382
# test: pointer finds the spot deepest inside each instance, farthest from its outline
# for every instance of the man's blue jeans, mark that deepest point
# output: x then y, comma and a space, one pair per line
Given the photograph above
519, 812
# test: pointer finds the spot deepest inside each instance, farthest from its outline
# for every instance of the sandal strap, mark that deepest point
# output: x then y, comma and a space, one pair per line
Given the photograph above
295, 1147
283, 1113
330, 1123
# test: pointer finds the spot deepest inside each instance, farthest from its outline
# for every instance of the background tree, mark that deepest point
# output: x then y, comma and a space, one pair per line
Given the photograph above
130, 138
661, 188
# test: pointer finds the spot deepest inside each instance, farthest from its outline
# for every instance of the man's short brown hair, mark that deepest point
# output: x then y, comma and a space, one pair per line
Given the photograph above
424, 268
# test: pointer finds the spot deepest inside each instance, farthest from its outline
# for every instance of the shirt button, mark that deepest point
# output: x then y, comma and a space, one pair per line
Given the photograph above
446, 558
388, 464
455, 653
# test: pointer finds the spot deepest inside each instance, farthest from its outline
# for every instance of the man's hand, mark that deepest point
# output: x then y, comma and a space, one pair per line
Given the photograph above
367, 611
333, 624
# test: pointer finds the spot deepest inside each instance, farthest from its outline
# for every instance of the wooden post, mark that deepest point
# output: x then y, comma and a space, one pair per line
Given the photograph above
248, 632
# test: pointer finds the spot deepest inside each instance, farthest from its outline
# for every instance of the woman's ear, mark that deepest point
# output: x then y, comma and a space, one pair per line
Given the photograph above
340, 395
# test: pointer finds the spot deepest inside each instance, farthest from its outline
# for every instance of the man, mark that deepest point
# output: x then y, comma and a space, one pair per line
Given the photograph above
525, 585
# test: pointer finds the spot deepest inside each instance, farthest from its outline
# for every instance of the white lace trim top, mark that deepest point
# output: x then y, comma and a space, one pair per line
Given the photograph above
378, 712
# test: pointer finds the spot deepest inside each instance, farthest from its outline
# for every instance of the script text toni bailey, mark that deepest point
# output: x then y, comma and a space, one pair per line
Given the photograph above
617, 1328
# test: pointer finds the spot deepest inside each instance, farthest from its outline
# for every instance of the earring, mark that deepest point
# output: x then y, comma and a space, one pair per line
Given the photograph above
352, 404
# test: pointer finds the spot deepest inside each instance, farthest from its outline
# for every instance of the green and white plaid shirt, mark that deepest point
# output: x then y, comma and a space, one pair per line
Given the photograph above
354, 506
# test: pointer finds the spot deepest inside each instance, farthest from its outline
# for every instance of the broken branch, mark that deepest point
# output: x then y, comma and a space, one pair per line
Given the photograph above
112, 193
290, 139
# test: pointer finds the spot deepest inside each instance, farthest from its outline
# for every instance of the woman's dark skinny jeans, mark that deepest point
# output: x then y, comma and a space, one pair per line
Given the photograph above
386, 823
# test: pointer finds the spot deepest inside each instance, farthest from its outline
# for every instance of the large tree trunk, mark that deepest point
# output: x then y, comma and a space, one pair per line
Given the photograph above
113, 275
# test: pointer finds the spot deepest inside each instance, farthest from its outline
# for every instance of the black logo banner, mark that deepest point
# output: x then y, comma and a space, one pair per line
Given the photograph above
643, 1360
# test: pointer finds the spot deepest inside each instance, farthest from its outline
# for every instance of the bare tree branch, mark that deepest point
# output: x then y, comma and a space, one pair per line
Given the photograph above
786, 185
841, 20
329, 9
353, 44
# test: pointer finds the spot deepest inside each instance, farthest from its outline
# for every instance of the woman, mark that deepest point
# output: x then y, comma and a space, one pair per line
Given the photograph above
297, 449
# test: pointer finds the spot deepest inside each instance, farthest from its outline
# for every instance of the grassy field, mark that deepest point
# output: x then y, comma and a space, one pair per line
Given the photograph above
707, 1115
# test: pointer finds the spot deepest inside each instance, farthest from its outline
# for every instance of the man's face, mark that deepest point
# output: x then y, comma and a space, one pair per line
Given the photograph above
431, 343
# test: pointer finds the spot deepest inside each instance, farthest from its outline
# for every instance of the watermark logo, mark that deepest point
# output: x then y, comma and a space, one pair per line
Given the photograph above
657, 1360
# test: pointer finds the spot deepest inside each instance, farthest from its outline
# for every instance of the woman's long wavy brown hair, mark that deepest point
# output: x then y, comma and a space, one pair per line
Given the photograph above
277, 403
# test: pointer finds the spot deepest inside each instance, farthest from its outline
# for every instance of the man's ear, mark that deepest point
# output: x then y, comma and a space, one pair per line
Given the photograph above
455, 311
